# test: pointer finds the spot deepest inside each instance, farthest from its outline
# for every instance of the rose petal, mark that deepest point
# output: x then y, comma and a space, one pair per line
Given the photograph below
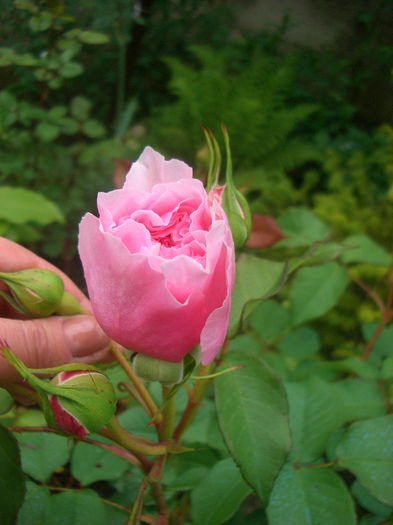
183, 275
131, 300
151, 168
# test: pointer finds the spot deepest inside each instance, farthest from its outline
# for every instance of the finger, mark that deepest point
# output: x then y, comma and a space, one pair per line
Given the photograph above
14, 258
54, 341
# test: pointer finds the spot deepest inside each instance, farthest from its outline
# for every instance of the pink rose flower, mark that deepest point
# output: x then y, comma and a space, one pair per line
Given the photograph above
159, 262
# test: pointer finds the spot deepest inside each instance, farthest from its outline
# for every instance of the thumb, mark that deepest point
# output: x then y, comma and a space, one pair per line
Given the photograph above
53, 341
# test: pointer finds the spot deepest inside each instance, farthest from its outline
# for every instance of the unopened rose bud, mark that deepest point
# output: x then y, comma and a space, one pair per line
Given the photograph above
238, 213
39, 293
35, 292
235, 204
89, 410
151, 369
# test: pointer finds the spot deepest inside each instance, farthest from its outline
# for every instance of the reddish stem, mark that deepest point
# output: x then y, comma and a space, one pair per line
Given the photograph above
319, 465
377, 332
377, 299
386, 316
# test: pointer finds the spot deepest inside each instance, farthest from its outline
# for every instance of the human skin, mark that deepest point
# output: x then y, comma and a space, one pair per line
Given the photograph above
52, 341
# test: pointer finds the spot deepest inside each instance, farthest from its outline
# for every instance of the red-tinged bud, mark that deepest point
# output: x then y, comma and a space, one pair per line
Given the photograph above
90, 409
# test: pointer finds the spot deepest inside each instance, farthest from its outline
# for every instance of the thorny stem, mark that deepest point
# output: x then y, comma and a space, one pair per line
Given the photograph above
144, 394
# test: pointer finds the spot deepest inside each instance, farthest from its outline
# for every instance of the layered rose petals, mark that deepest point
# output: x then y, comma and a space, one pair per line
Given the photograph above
159, 262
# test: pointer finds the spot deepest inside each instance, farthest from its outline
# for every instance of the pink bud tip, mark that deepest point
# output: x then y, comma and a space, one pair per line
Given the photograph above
64, 420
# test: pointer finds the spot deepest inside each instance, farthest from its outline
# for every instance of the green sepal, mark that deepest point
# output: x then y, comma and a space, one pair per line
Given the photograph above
69, 396
152, 369
214, 160
38, 384
234, 203
210, 175
70, 367
12, 301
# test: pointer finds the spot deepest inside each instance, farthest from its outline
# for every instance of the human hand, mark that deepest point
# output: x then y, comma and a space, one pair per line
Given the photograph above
51, 341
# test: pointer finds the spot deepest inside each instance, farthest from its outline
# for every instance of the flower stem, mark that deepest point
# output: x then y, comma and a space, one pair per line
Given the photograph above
168, 415
155, 477
134, 443
193, 404
140, 387
135, 515
386, 317
374, 338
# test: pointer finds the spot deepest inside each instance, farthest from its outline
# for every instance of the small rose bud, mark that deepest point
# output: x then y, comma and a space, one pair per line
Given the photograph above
151, 369
89, 410
35, 292
238, 213
234, 203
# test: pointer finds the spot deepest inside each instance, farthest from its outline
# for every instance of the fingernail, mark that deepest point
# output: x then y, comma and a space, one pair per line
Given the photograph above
84, 335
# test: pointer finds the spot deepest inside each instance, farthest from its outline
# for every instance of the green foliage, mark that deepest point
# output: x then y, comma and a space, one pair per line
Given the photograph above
21, 210
42, 453
252, 413
49, 142
337, 413
359, 175
366, 450
289, 430
305, 424
219, 494
312, 496
12, 485
267, 277
253, 105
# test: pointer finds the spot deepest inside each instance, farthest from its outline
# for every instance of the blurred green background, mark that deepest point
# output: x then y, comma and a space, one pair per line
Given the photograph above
304, 89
